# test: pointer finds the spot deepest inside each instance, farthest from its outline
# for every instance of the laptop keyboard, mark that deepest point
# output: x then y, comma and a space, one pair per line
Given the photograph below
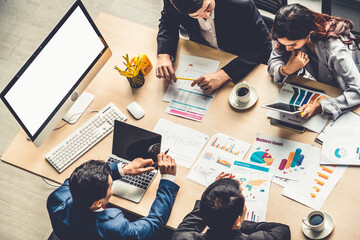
141, 181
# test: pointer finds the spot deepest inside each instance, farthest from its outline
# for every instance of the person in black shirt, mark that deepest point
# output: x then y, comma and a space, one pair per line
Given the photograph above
234, 26
220, 214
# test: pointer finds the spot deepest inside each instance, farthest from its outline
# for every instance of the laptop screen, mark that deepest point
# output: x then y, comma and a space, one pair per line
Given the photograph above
131, 142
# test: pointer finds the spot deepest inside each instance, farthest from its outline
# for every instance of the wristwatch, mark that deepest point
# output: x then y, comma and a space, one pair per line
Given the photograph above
120, 169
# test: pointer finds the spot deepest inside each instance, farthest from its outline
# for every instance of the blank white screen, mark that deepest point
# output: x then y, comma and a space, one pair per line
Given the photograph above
54, 71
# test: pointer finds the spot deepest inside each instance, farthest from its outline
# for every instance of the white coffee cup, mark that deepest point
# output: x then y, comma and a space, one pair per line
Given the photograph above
315, 220
242, 92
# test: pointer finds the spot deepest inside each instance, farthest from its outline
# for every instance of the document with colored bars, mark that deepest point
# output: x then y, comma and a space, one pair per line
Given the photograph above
225, 154
186, 101
315, 187
296, 95
308, 182
283, 158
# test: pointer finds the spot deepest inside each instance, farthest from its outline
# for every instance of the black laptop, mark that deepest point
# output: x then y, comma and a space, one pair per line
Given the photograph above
130, 142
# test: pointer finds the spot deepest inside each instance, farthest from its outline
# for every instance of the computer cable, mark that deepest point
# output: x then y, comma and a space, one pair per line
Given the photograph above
52, 185
91, 111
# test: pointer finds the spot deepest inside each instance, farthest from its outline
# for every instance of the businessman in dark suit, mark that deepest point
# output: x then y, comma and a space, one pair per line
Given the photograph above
77, 208
220, 214
234, 26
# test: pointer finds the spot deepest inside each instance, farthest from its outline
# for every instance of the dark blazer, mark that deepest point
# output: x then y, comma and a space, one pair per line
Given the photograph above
69, 222
192, 226
239, 27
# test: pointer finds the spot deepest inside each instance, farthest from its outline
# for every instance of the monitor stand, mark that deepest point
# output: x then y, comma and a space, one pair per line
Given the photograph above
78, 108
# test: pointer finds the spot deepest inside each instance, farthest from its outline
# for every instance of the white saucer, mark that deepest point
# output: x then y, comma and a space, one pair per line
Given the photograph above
328, 227
242, 106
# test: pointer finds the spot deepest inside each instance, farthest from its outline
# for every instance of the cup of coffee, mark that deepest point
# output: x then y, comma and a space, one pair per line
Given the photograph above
315, 220
242, 92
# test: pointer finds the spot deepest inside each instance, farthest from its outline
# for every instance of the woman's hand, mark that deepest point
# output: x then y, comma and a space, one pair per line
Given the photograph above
309, 110
297, 60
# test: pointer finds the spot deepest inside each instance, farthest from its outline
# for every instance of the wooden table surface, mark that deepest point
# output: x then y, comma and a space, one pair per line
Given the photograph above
109, 86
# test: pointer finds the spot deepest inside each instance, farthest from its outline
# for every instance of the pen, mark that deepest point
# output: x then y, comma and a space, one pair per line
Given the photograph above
155, 164
167, 151
190, 79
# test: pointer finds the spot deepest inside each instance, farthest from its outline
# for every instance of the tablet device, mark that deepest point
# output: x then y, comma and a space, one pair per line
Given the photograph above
282, 107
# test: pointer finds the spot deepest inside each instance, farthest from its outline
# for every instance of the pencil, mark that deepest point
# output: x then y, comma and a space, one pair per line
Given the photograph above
190, 79
167, 151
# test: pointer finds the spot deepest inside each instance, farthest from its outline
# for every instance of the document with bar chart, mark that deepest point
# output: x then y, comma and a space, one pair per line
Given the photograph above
284, 158
341, 146
316, 186
189, 104
219, 155
190, 67
299, 96
255, 188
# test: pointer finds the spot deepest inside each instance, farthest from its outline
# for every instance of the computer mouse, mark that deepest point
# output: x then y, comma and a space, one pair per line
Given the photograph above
136, 110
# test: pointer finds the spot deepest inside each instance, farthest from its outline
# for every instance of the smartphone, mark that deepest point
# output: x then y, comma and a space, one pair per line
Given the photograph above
282, 107
287, 125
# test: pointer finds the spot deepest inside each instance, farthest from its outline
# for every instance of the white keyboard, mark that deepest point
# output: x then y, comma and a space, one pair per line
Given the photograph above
85, 137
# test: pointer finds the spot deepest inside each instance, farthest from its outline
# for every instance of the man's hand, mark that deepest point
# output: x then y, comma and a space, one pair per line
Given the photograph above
211, 81
166, 164
224, 175
297, 60
138, 166
164, 68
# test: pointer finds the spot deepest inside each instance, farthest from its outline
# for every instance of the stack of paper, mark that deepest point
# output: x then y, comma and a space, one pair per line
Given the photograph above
186, 101
225, 154
341, 146
296, 167
345, 120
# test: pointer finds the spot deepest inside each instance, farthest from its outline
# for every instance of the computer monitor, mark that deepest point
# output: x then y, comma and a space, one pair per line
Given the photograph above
57, 73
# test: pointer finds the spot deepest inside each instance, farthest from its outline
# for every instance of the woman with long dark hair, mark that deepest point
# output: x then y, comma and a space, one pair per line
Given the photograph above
325, 47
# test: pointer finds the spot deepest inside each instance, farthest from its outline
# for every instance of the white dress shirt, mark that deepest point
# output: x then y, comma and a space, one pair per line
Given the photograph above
207, 28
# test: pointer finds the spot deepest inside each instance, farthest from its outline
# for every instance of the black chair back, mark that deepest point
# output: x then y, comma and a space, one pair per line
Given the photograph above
270, 6
53, 237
